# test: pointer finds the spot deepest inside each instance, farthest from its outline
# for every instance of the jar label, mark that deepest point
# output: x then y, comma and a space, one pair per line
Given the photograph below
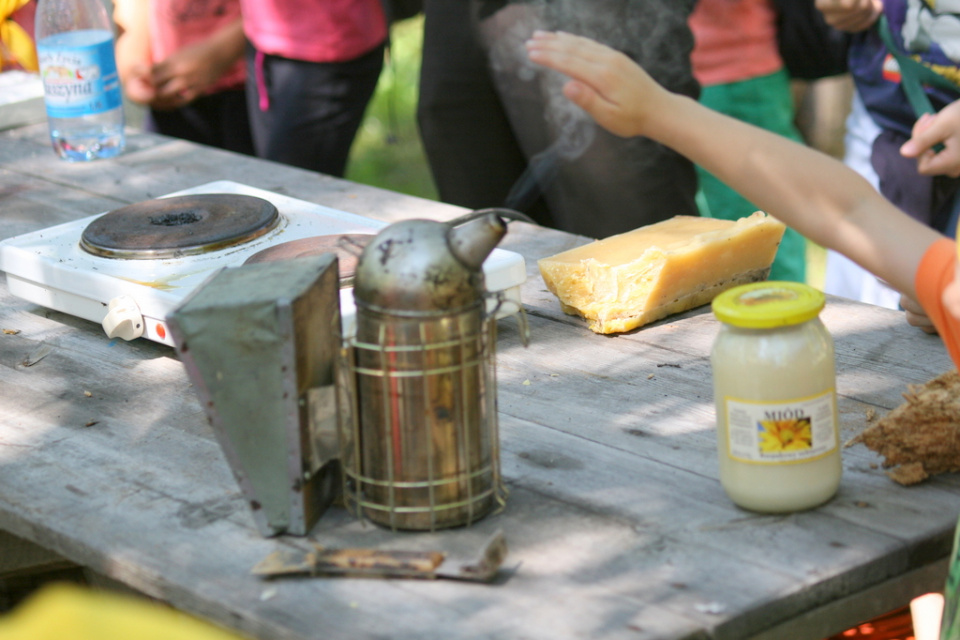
79, 73
784, 432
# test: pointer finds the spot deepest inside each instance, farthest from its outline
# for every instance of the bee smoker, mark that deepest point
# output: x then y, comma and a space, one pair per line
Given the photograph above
421, 450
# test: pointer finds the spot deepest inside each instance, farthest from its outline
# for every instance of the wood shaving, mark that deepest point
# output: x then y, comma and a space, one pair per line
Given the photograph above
921, 437
11, 332
38, 354
909, 473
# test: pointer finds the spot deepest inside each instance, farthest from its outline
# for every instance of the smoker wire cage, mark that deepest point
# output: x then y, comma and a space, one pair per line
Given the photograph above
419, 436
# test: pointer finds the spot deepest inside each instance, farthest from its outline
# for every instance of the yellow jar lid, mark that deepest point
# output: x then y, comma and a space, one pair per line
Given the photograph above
765, 305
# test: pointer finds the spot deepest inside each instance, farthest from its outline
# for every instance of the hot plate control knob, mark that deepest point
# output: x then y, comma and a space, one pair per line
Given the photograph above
124, 319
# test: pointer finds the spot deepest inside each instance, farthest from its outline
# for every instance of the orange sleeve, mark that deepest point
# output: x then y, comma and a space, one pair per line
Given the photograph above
935, 272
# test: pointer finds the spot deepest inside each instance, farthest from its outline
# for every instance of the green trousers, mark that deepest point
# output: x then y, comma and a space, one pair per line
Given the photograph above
767, 103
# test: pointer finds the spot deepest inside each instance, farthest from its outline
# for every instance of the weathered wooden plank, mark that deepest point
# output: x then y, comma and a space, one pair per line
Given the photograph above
154, 166
161, 543
22, 557
555, 466
28, 203
834, 617
617, 524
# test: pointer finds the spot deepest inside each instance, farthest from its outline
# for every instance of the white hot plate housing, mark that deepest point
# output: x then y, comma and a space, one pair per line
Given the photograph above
49, 268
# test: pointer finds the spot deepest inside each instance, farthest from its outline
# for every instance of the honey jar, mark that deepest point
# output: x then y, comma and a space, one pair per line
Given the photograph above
774, 386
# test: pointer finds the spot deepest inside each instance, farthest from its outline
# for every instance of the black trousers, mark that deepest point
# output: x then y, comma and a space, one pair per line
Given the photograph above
491, 121
470, 145
306, 114
218, 120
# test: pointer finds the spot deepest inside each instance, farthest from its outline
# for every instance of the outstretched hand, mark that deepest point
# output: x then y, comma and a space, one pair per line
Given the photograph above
605, 83
806, 189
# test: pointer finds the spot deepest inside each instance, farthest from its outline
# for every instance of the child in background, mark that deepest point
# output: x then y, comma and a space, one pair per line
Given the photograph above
184, 60
882, 117
806, 189
737, 61
313, 66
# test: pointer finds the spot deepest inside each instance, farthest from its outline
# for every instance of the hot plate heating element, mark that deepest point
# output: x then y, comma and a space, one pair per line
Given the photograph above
50, 268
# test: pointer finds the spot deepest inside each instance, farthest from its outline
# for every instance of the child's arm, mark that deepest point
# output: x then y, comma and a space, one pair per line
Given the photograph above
808, 190
133, 49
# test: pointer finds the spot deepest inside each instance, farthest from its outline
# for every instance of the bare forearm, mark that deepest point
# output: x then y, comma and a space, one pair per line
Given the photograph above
810, 191
814, 193
227, 45
769, 170
133, 39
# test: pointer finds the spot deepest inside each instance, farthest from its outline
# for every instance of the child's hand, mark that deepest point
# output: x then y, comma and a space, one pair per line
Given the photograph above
183, 76
605, 83
943, 128
138, 85
850, 15
916, 316
189, 72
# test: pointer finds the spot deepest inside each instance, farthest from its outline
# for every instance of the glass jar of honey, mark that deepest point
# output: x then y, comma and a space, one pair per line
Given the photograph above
774, 385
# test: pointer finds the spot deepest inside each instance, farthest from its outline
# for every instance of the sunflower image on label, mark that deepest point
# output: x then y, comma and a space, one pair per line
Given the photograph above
784, 432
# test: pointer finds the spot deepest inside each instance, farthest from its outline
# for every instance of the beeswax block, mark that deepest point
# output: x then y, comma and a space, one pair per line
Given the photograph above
629, 280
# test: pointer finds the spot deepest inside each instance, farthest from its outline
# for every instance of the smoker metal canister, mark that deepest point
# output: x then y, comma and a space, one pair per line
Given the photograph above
422, 451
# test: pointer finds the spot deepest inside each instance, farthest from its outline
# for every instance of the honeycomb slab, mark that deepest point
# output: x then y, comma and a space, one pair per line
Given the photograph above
626, 281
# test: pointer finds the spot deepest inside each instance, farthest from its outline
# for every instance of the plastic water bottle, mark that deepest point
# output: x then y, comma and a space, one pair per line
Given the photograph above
80, 81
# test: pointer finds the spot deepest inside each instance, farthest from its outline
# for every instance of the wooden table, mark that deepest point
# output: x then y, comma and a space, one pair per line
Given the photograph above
616, 522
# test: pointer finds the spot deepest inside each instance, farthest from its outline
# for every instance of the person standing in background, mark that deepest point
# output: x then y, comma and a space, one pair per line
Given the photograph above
737, 62
183, 59
882, 119
312, 68
473, 154
497, 133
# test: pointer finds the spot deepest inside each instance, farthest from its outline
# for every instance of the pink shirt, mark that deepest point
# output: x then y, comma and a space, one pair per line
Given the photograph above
315, 30
177, 23
734, 40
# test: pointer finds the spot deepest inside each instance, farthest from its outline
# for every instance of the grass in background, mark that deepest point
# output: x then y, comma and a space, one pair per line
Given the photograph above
387, 152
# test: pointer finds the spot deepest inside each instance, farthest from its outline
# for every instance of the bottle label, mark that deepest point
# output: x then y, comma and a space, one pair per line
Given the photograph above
784, 432
79, 77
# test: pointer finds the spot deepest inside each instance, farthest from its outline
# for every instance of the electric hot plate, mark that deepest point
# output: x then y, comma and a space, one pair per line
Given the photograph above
152, 255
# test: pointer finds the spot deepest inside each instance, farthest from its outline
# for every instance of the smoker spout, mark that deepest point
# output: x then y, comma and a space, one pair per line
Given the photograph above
473, 241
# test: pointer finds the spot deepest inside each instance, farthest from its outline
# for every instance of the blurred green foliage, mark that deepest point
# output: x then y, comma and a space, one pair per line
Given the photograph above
387, 152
